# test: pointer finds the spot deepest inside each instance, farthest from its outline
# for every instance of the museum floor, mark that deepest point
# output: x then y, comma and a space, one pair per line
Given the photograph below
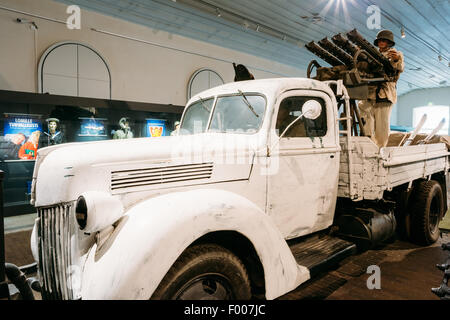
408, 271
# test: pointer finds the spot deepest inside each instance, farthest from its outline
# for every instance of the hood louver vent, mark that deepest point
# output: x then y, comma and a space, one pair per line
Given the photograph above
161, 175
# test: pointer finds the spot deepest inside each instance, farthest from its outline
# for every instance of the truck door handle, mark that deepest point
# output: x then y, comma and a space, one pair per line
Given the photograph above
332, 156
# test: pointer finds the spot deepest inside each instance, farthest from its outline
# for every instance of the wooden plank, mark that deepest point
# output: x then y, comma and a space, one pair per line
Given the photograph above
395, 179
370, 176
405, 168
410, 151
344, 178
356, 168
356, 159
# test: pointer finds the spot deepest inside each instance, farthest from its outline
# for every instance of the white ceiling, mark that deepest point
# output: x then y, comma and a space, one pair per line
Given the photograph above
233, 24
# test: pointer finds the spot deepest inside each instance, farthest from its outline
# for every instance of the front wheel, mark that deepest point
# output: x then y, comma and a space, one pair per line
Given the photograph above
205, 272
427, 208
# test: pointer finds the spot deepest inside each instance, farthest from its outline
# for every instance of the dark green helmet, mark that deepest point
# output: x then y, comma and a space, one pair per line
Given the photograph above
385, 35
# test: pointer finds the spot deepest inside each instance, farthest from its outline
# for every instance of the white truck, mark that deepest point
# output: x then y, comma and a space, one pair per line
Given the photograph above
261, 189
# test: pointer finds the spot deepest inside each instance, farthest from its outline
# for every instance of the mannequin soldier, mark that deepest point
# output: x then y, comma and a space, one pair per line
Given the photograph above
124, 132
54, 134
376, 110
176, 130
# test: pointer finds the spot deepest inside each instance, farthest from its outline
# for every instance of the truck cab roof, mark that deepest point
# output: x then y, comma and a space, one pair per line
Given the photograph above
269, 87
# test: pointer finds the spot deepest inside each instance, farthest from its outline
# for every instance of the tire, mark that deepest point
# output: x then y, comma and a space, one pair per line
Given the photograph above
205, 272
427, 209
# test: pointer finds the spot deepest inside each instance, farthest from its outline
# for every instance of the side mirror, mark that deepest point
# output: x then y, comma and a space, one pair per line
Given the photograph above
311, 109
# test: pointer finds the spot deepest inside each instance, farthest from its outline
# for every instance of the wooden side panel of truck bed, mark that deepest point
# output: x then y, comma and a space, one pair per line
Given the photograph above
373, 171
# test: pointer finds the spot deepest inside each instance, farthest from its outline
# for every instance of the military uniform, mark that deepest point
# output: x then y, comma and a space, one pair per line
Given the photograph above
376, 110
49, 139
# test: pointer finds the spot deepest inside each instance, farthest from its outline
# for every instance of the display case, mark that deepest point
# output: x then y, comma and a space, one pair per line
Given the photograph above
31, 121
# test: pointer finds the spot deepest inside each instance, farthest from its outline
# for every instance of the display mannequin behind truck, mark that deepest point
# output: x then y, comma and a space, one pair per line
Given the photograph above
54, 135
125, 131
376, 110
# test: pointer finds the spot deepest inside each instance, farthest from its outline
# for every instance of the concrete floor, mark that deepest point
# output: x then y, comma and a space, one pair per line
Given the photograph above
20, 222
408, 271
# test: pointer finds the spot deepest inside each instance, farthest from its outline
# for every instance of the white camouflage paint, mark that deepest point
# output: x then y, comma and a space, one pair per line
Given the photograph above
161, 221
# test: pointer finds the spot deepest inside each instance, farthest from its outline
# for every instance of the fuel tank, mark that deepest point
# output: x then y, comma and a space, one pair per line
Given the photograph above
366, 227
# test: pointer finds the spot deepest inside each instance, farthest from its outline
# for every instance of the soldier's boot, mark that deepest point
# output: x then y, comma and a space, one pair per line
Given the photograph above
442, 291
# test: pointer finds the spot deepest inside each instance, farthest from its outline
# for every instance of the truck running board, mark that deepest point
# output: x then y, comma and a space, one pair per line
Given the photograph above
320, 252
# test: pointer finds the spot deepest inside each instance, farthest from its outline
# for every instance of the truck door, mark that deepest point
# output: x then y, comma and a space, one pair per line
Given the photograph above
302, 192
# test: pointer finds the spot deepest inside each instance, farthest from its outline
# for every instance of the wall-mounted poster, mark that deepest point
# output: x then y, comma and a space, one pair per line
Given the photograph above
20, 137
93, 127
156, 128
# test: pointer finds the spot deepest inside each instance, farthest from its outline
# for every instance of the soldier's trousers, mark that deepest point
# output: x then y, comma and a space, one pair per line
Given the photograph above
376, 119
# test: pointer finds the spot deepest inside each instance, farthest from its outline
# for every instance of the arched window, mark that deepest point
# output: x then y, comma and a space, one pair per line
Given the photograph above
74, 69
203, 79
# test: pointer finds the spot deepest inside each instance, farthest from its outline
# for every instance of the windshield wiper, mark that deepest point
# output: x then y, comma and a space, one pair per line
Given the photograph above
248, 103
203, 104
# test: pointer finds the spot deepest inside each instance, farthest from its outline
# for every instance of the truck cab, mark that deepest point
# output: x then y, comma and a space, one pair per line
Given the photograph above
240, 204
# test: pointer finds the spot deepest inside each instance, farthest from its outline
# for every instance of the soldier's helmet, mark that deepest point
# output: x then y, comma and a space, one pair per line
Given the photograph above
385, 35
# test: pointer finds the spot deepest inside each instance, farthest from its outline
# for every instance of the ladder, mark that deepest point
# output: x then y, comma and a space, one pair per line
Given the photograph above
350, 126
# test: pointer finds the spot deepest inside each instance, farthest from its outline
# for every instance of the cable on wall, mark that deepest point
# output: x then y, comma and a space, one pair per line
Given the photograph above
138, 40
32, 15
179, 50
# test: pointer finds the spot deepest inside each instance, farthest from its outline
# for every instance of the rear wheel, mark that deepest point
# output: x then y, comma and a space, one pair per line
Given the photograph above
427, 208
205, 272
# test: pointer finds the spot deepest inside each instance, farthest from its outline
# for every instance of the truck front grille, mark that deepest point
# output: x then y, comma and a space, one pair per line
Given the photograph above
57, 242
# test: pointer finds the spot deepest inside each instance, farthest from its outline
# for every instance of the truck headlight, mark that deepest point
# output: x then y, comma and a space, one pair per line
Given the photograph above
97, 210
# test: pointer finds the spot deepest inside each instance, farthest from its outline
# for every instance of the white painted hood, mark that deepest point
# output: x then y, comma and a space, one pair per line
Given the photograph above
63, 172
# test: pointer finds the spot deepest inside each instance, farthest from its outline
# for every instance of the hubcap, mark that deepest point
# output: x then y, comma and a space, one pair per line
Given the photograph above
206, 287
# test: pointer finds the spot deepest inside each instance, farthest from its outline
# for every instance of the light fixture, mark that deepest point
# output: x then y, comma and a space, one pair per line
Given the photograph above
32, 24
246, 23
403, 33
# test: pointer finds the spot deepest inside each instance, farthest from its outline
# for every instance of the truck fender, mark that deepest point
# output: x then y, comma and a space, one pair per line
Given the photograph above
158, 230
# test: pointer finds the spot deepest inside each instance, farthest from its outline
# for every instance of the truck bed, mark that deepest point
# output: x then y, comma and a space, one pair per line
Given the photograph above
373, 171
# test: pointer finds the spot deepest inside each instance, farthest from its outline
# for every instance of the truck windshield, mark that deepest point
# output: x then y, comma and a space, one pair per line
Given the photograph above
196, 117
238, 114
